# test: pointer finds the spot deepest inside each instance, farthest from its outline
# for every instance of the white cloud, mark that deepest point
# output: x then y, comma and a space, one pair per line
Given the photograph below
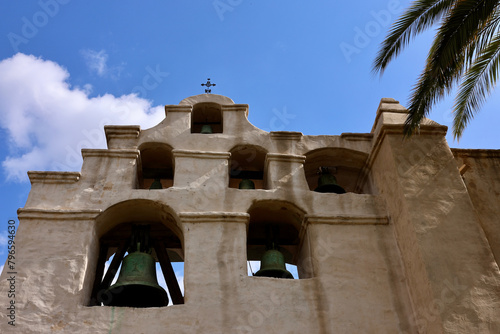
161, 280
48, 122
1, 269
3, 243
106, 267
97, 62
3, 240
252, 267
180, 280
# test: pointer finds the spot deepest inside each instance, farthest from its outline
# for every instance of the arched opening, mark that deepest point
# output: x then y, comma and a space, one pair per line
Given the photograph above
274, 225
206, 118
344, 164
117, 229
155, 170
247, 167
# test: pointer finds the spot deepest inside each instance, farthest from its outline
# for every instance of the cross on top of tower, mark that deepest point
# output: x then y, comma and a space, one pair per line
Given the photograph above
208, 85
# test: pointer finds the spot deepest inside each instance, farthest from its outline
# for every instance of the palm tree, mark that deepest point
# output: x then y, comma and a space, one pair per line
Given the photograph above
465, 52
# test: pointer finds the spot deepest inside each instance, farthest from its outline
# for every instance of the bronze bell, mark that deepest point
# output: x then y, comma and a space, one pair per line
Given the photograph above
156, 184
273, 265
206, 129
327, 183
137, 285
246, 184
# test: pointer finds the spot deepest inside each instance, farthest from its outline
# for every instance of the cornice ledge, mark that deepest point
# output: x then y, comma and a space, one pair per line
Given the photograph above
235, 108
476, 153
214, 217
54, 214
177, 108
347, 220
286, 135
110, 153
122, 131
390, 105
200, 154
424, 129
202, 98
356, 136
53, 177
285, 157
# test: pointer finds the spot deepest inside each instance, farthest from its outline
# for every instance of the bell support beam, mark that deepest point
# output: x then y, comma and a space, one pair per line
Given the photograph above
101, 263
115, 264
168, 273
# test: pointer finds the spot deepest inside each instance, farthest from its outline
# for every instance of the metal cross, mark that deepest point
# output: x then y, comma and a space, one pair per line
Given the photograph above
208, 85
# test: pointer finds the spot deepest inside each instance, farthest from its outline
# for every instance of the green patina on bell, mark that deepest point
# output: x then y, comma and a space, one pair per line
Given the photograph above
246, 184
327, 183
206, 129
137, 285
273, 265
156, 184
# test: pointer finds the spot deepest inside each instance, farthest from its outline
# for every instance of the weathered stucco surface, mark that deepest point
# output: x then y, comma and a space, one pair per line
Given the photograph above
409, 249
481, 173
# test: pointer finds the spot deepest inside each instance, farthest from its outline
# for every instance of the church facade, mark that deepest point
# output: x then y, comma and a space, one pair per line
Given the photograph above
405, 238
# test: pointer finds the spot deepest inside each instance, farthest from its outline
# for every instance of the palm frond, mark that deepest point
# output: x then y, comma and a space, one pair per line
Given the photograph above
425, 94
480, 79
447, 57
461, 27
484, 37
467, 43
420, 16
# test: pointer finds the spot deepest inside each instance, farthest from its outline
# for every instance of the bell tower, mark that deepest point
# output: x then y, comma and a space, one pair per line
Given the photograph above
349, 233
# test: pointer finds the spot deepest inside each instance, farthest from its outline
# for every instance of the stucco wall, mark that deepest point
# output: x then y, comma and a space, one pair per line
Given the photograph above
452, 276
481, 174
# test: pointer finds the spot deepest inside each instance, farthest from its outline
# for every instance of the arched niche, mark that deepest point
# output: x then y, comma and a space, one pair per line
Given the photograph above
156, 163
344, 164
286, 219
206, 113
114, 229
247, 162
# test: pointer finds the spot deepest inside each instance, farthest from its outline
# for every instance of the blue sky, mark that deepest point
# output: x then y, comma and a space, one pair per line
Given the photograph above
69, 67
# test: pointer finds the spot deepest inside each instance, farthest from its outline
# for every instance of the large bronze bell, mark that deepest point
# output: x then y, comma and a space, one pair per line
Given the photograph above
327, 183
137, 285
246, 184
206, 129
273, 265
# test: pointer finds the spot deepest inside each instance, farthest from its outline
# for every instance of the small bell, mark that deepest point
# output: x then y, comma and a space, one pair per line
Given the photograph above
246, 184
273, 265
206, 129
156, 184
327, 183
